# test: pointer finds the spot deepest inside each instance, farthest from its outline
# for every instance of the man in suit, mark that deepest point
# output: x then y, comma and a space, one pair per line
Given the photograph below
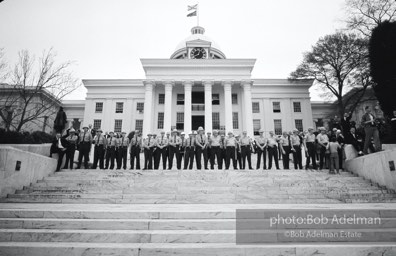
346, 122
370, 130
59, 146
355, 140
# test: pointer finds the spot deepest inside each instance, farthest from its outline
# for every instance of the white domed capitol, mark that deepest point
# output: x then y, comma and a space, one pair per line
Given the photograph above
196, 86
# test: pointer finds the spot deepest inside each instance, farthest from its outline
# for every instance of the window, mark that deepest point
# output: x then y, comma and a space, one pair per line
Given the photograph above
234, 98
161, 98
160, 120
180, 120
256, 126
119, 107
256, 107
278, 126
299, 124
99, 107
276, 106
139, 125
117, 125
235, 121
180, 99
297, 106
216, 120
215, 99
97, 124
140, 107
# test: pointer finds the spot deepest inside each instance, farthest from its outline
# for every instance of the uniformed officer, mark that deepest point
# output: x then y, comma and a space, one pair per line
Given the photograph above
148, 144
123, 144
135, 148
200, 147
296, 142
223, 155
208, 150
272, 146
110, 150
238, 151
174, 144
84, 147
215, 150
168, 135
181, 150
285, 146
154, 137
231, 143
261, 143
190, 150
71, 148
100, 143
246, 151
162, 144
117, 136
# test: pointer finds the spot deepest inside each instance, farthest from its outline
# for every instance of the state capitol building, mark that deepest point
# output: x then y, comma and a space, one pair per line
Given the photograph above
197, 86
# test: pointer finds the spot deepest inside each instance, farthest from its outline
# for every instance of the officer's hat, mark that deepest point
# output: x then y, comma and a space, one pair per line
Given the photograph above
183, 133
85, 127
200, 128
99, 130
174, 130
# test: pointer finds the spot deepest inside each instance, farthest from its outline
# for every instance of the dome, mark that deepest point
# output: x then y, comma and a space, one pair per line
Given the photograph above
197, 33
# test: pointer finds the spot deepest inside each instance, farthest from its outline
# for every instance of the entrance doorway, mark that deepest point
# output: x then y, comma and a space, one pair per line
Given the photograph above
197, 121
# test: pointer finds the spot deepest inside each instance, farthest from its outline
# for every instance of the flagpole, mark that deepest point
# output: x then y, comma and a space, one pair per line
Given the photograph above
198, 14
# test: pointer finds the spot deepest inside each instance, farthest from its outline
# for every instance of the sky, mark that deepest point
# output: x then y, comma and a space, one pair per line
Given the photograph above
106, 39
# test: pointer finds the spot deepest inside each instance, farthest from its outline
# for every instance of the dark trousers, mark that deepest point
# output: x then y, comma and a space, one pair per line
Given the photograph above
286, 156
322, 156
148, 158
371, 132
198, 154
223, 156
110, 156
206, 156
83, 152
215, 152
160, 152
60, 159
340, 157
311, 148
264, 154
181, 156
122, 157
117, 157
98, 157
297, 157
230, 154
173, 152
70, 156
154, 155
239, 159
135, 154
246, 153
189, 158
273, 153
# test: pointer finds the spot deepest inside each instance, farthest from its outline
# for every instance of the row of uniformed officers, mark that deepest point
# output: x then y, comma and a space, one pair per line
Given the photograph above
212, 148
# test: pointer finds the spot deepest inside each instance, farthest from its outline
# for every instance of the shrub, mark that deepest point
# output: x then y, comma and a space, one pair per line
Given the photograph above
13, 137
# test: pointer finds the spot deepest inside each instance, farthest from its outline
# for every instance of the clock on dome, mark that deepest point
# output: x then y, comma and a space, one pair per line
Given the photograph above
198, 53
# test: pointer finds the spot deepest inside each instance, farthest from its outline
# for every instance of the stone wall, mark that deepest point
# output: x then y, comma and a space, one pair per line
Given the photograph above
40, 149
33, 167
376, 167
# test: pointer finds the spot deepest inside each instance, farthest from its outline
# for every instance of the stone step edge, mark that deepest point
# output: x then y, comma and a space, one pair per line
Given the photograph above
334, 245
174, 231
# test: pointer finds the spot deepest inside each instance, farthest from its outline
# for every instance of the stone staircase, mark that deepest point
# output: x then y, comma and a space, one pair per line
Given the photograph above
96, 212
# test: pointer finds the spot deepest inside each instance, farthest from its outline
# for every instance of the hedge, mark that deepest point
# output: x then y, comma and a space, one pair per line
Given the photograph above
13, 137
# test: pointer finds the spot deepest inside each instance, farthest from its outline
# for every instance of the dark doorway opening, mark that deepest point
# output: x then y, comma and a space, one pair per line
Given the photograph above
197, 121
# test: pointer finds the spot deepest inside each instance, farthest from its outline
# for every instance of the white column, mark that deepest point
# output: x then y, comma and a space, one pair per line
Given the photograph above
228, 105
168, 105
148, 103
247, 94
187, 105
208, 105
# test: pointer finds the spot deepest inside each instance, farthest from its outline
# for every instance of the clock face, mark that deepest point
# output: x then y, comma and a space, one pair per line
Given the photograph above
198, 53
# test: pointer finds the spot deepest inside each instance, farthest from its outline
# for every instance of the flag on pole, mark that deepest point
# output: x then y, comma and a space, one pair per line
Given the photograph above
194, 13
192, 7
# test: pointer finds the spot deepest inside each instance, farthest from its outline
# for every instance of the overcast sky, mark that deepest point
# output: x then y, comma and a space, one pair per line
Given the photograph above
107, 38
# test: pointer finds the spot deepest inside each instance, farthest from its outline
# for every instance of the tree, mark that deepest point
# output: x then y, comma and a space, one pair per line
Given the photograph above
338, 63
33, 90
382, 51
365, 15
